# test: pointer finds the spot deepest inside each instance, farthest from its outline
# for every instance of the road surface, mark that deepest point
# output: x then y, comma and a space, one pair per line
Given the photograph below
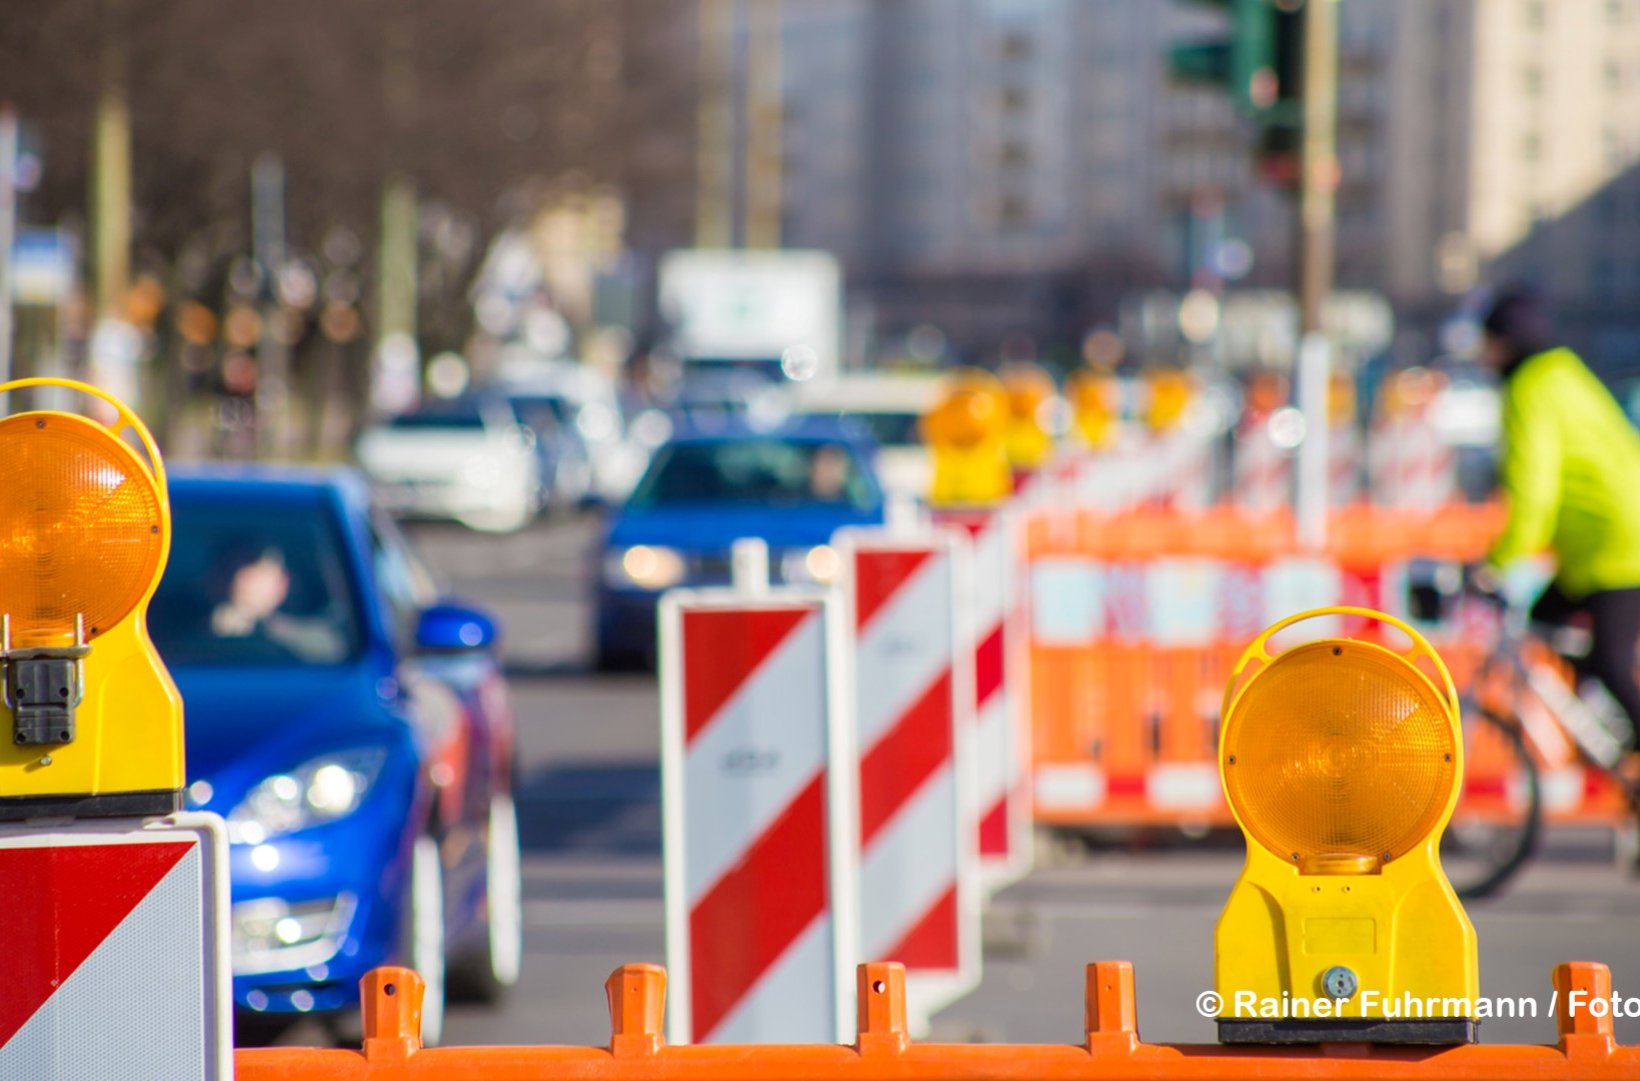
591, 828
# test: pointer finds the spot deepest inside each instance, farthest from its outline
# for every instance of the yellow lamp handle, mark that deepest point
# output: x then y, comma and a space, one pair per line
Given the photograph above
124, 419
1258, 652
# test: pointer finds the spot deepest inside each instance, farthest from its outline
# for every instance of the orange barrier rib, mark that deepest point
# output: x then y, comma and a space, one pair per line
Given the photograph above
884, 1051
1152, 607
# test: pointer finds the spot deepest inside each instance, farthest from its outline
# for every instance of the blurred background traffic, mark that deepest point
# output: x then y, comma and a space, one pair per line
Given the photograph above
584, 291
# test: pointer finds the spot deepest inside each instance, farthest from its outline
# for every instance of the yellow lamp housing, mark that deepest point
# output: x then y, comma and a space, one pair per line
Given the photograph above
966, 433
92, 724
1341, 761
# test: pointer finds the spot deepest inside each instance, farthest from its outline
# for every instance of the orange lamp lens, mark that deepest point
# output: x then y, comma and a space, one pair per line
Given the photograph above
1339, 749
80, 527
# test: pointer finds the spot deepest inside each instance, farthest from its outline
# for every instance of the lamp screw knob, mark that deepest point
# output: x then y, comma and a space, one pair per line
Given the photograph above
1339, 982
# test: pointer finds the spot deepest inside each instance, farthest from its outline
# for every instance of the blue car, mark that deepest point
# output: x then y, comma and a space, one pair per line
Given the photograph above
792, 487
354, 730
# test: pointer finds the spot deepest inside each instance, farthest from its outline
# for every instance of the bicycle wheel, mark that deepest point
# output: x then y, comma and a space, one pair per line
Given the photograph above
1496, 828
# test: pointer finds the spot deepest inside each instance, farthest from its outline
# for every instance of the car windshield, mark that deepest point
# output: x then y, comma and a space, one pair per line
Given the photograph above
542, 412
457, 414
888, 429
255, 583
775, 472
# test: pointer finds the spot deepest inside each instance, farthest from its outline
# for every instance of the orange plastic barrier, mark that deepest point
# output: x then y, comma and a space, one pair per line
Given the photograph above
884, 1051
1137, 617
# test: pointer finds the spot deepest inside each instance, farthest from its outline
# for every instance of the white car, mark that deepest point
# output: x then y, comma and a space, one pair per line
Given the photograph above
468, 459
587, 408
890, 407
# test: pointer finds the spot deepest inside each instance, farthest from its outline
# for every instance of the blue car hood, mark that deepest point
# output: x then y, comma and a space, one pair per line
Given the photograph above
714, 527
241, 724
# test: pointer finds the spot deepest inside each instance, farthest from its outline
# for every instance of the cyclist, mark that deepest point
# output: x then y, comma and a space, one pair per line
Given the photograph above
1570, 471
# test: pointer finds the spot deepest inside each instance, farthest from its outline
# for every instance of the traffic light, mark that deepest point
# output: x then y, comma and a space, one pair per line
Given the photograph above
1260, 64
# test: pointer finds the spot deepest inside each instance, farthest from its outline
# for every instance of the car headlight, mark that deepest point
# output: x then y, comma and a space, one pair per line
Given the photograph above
644, 566
819, 565
320, 790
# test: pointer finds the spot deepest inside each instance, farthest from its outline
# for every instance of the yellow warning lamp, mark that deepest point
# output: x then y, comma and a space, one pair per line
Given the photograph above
966, 432
1030, 391
1266, 392
1096, 407
1341, 760
1341, 400
1168, 394
93, 722
1409, 391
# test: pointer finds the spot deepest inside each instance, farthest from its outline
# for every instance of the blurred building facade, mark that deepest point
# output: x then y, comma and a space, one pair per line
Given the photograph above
1515, 148
1008, 167
1011, 167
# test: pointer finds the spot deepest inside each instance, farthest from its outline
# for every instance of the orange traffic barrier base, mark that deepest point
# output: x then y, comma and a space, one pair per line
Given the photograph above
1111, 1048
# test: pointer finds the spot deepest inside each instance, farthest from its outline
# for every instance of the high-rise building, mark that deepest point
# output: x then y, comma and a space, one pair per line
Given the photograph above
1014, 167
1515, 146
1002, 167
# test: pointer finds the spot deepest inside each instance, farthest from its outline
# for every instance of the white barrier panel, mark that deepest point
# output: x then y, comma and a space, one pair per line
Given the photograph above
116, 950
1263, 472
920, 886
1002, 737
759, 817
1409, 465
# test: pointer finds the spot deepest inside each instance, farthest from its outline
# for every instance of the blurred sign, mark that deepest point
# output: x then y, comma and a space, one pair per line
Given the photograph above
738, 305
42, 267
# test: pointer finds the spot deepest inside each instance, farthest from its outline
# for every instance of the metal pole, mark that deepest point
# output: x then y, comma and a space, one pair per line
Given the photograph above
8, 230
715, 126
268, 242
749, 565
111, 182
764, 105
1318, 182
395, 378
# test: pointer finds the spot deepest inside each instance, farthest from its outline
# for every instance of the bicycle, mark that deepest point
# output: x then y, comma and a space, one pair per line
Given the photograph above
1524, 713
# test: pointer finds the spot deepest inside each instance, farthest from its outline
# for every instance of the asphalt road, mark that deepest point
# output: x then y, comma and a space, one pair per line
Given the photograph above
591, 829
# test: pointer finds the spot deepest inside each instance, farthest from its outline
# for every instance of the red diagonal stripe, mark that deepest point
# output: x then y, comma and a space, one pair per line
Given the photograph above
60, 904
758, 909
878, 572
993, 830
988, 666
907, 754
721, 649
974, 521
932, 943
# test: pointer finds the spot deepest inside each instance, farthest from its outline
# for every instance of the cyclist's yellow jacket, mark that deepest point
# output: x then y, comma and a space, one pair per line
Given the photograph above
1571, 475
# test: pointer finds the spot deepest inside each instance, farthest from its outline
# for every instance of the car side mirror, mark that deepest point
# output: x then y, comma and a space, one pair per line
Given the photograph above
453, 627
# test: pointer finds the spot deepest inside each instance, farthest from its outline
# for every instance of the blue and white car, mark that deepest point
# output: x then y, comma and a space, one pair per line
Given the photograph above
793, 487
355, 732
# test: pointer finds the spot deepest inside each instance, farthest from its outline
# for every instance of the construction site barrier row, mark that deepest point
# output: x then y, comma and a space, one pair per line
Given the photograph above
1137, 616
1110, 1048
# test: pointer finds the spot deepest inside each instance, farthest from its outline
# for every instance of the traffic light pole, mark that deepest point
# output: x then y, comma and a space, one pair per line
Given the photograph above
1317, 185
8, 229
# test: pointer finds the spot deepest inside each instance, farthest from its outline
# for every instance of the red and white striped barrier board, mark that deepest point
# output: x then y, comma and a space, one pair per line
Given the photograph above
760, 817
1263, 473
1410, 465
920, 889
116, 953
1002, 746
1343, 464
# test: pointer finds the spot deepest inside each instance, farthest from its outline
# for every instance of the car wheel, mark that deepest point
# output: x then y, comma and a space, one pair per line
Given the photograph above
424, 933
486, 973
